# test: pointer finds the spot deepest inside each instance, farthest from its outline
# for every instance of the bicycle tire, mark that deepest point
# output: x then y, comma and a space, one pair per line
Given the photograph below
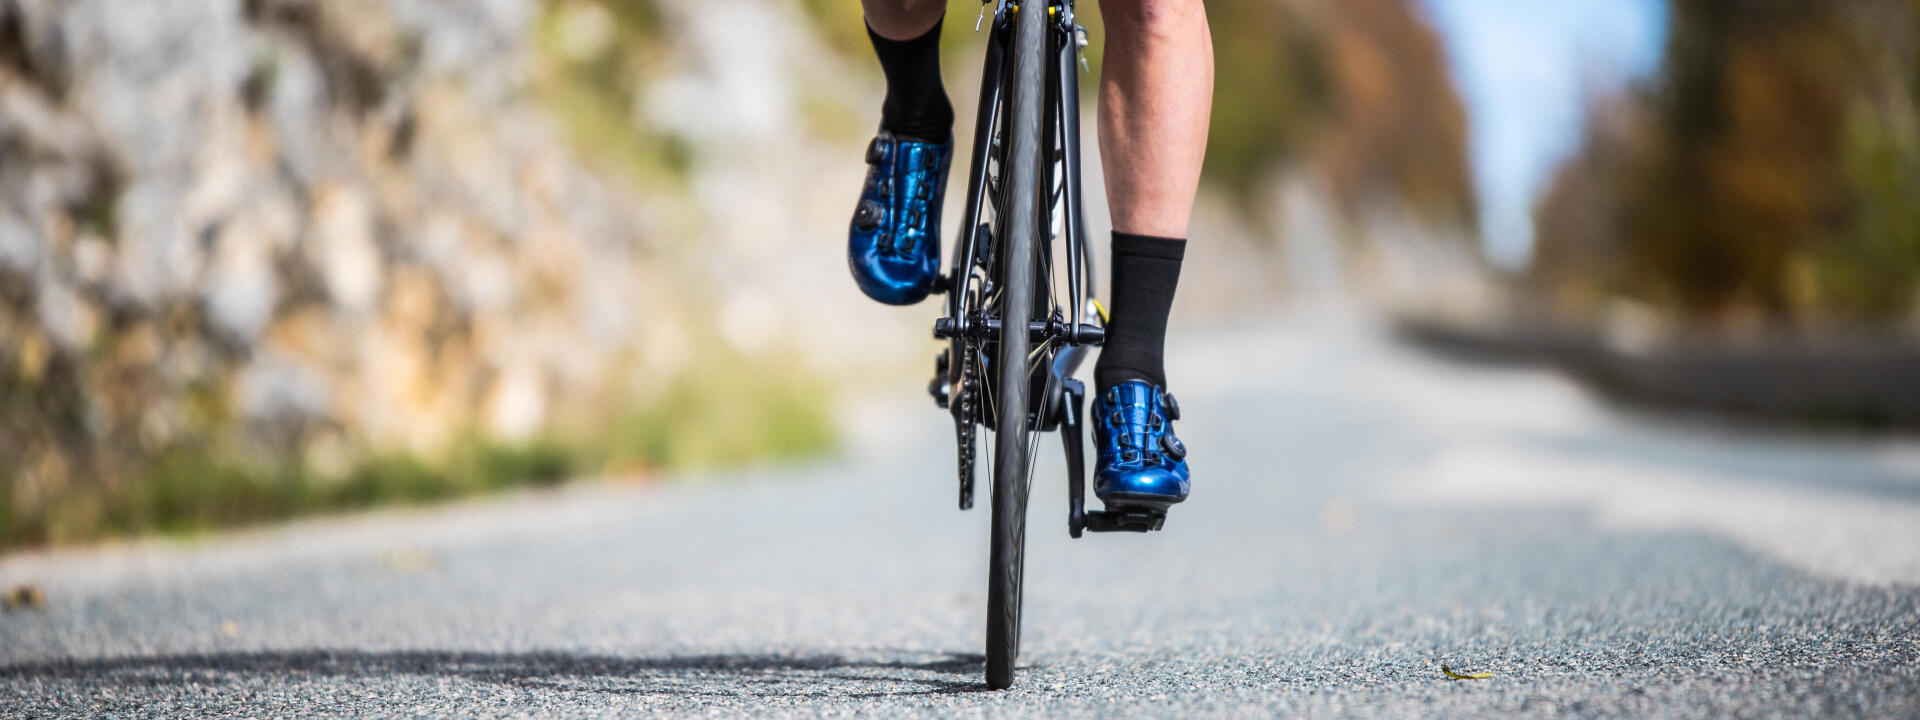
1020, 227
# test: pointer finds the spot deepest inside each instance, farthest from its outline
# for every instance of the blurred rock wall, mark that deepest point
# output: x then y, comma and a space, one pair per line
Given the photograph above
293, 229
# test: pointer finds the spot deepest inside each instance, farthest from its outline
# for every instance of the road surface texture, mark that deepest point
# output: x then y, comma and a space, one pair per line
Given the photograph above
1364, 514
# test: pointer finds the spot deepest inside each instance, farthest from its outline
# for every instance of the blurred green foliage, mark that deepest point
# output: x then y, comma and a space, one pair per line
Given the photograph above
1770, 172
189, 489
729, 409
726, 409
1396, 127
1874, 269
840, 26
1357, 91
1273, 90
592, 83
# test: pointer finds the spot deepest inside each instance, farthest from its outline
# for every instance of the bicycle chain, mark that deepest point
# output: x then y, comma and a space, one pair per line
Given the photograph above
965, 420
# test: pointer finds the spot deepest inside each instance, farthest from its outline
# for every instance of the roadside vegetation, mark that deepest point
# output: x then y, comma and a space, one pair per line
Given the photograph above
1765, 179
402, 299
728, 411
1355, 92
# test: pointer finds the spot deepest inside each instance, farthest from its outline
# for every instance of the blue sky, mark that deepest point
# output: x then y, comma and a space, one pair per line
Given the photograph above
1525, 69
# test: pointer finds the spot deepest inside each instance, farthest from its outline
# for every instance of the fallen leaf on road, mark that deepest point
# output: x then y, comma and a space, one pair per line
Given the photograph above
25, 597
1463, 676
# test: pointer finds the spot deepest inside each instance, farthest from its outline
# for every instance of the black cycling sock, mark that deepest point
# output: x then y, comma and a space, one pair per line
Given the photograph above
916, 105
1145, 271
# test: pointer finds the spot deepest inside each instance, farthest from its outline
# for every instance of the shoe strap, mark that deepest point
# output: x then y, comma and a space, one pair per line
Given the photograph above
1139, 422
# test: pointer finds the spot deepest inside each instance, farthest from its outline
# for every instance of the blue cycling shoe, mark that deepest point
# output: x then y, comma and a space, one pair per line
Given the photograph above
893, 244
1142, 464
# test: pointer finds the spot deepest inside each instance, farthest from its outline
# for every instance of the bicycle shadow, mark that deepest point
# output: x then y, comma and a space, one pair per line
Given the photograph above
726, 675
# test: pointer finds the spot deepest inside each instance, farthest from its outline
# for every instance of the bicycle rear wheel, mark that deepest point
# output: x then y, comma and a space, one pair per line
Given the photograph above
1021, 225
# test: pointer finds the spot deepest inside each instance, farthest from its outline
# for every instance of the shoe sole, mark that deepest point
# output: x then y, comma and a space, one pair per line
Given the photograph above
1119, 500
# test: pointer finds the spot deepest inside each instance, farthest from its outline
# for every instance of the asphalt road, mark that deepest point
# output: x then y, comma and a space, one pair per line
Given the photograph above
1363, 514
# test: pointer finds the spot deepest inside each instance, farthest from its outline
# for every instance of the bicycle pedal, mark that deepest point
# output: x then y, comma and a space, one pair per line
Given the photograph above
1138, 521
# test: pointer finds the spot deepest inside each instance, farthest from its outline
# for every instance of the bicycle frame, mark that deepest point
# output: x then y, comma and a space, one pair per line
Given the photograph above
1013, 349
1063, 114
1062, 398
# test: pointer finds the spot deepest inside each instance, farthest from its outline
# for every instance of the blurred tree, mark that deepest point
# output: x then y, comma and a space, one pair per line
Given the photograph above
1769, 172
1356, 90
1397, 124
1272, 94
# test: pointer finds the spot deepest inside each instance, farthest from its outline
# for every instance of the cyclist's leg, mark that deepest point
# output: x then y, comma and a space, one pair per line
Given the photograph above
1156, 96
906, 37
893, 243
902, 19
